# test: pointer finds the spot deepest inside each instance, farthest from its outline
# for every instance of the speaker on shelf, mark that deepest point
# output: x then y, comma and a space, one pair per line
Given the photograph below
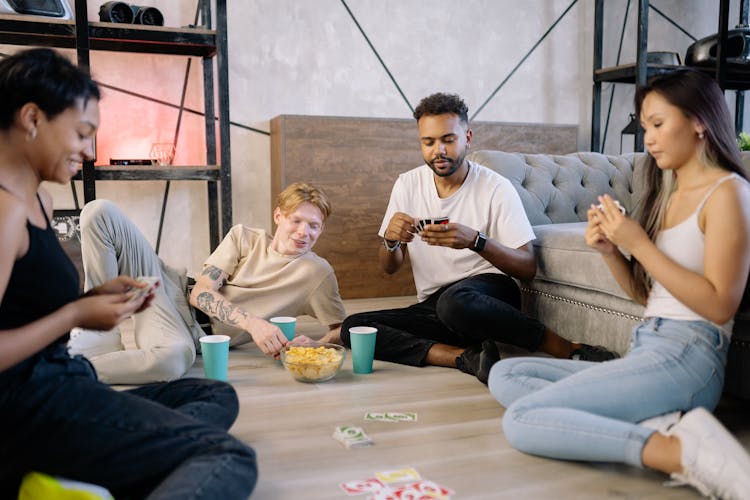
121, 12
150, 16
115, 12
50, 8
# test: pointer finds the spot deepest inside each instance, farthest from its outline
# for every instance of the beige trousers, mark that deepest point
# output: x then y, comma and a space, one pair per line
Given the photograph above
165, 333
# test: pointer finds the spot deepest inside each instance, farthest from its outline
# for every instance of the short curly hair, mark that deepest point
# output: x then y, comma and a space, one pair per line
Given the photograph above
441, 103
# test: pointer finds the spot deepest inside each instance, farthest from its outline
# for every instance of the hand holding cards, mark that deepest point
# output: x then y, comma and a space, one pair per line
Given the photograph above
149, 285
421, 223
600, 206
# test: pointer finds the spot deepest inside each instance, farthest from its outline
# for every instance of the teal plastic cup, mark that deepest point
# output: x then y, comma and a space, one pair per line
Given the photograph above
362, 340
215, 352
286, 324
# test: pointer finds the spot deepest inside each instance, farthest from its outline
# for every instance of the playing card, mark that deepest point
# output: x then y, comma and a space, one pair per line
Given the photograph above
359, 486
390, 416
150, 281
431, 489
374, 417
351, 436
600, 206
441, 220
384, 494
397, 475
400, 417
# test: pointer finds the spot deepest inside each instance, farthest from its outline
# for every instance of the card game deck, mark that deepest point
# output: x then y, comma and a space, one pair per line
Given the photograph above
351, 436
424, 222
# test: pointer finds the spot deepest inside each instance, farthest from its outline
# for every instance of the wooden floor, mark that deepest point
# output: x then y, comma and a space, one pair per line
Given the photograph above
456, 442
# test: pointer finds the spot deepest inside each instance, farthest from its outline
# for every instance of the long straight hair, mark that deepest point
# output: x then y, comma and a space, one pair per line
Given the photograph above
699, 97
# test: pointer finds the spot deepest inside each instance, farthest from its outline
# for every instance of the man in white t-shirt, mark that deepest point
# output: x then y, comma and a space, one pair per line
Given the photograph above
464, 268
251, 277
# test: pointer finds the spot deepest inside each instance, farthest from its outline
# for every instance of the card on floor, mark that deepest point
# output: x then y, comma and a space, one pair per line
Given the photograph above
431, 489
386, 493
393, 416
359, 486
396, 475
351, 436
374, 416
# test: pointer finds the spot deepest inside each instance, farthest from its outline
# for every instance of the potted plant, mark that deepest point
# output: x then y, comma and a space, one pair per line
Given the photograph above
743, 141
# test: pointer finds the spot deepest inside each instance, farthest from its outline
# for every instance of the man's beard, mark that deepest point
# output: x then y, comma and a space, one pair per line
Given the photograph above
454, 164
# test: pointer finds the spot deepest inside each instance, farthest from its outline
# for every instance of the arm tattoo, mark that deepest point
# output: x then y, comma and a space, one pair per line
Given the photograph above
220, 309
214, 273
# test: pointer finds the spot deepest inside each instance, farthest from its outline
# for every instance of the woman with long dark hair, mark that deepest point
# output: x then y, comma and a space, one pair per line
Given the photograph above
157, 441
689, 247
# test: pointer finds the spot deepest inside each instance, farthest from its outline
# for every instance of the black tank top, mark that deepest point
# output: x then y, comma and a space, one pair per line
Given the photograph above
42, 281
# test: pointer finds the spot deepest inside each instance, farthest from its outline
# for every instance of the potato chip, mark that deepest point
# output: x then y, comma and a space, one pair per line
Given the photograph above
314, 364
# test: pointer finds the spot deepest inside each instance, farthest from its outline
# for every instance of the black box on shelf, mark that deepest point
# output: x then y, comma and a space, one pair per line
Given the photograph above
130, 161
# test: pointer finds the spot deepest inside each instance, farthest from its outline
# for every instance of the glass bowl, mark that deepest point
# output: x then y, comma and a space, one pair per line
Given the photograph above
313, 361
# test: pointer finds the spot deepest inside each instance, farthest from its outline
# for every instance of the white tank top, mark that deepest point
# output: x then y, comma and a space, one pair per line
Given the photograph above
683, 243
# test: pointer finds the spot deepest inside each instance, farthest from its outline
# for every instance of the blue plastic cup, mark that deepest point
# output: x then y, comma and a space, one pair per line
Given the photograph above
362, 339
286, 324
215, 352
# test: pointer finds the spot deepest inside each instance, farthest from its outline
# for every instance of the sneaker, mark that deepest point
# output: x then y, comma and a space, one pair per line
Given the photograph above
593, 353
478, 359
713, 462
468, 361
487, 358
92, 343
662, 423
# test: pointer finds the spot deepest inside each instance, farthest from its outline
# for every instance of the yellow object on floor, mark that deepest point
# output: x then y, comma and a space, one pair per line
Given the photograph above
38, 486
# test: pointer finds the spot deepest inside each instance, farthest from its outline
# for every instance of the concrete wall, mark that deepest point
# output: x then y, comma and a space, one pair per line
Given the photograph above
308, 57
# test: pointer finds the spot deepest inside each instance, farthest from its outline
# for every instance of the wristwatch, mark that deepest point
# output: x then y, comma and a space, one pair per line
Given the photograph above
479, 242
391, 247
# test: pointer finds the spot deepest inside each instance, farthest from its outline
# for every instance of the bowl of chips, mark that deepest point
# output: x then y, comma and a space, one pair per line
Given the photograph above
313, 361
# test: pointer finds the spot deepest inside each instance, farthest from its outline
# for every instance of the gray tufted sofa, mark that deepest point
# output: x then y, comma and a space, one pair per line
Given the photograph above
573, 292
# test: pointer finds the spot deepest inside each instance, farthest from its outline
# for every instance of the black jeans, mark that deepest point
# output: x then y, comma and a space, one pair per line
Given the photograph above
486, 306
164, 440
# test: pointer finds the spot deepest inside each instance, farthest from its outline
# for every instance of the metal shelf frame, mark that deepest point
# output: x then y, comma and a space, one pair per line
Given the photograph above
639, 72
201, 41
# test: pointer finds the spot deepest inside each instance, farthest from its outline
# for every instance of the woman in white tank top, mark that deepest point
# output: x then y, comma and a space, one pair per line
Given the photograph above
690, 248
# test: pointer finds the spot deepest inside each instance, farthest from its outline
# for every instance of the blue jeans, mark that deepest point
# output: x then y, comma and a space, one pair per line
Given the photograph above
467, 312
161, 441
579, 410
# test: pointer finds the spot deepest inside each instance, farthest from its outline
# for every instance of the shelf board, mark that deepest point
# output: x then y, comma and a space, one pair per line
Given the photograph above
625, 73
150, 173
50, 32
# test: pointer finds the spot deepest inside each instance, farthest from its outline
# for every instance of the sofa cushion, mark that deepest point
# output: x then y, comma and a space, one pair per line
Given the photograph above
561, 188
564, 258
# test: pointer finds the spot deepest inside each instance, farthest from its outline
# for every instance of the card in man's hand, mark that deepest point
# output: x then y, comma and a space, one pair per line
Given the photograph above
424, 222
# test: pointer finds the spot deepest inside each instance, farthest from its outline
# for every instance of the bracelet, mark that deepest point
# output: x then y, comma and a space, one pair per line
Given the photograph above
391, 248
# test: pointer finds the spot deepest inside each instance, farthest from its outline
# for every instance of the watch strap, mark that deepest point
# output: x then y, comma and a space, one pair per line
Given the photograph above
479, 242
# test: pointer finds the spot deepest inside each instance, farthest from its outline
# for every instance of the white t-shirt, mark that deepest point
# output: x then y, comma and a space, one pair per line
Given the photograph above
486, 202
266, 283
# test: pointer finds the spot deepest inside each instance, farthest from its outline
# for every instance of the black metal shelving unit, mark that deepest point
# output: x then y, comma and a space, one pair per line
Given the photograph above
639, 72
201, 41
